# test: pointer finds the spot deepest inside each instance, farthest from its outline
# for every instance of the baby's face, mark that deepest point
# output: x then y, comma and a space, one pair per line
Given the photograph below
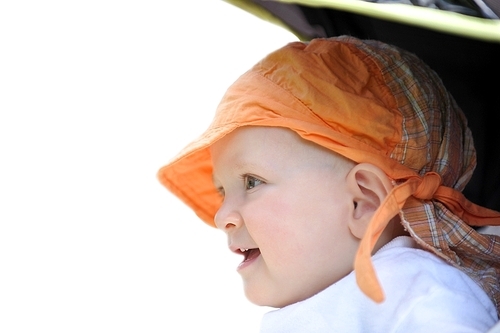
285, 210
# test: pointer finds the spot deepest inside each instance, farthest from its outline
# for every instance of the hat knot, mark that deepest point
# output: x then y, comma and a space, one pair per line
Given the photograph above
430, 182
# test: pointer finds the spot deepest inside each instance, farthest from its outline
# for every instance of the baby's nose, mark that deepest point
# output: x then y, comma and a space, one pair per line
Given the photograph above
228, 218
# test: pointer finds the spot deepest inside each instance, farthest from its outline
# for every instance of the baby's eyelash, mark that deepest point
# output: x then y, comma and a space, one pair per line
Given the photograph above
250, 181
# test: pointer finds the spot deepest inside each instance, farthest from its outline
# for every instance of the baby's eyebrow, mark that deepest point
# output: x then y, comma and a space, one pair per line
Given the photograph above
239, 165
243, 165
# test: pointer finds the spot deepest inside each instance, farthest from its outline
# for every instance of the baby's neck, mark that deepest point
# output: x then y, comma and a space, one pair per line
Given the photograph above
394, 229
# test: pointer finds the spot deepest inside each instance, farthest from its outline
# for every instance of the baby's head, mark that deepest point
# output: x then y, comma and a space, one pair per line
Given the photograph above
295, 210
316, 153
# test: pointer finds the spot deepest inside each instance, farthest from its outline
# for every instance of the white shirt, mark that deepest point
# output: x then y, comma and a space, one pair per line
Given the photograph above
422, 294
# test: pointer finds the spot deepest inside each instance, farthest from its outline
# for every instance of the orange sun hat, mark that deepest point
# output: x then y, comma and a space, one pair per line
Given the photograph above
370, 102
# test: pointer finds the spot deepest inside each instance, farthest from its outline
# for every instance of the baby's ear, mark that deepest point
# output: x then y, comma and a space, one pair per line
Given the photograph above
369, 186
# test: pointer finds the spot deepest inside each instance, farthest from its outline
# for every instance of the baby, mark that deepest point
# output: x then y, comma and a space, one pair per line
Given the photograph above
335, 168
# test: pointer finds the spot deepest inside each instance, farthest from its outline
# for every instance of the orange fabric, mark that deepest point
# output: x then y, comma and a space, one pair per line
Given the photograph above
426, 188
369, 102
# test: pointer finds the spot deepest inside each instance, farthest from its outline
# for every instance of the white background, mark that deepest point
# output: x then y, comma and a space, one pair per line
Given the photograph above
95, 96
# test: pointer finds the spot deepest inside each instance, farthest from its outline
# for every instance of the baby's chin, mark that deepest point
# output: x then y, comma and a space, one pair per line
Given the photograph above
279, 299
273, 300
272, 303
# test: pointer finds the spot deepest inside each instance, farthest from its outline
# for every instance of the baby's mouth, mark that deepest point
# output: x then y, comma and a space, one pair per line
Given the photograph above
250, 254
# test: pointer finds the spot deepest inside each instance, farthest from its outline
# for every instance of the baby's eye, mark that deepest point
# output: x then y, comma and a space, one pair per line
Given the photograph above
251, 182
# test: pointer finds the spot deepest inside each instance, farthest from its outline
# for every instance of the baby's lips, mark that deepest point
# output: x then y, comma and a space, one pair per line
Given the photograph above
238, 249
245, 251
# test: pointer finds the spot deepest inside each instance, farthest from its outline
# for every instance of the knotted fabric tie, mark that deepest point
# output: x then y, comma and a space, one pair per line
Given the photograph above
427, 187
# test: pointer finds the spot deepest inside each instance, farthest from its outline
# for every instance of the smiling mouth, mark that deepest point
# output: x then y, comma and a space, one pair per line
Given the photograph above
249, 254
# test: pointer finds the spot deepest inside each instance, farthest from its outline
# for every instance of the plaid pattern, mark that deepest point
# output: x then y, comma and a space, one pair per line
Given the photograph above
436, 139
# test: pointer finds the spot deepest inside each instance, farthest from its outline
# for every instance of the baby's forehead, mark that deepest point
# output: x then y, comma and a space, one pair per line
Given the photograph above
272, 143
262, 138
272, 134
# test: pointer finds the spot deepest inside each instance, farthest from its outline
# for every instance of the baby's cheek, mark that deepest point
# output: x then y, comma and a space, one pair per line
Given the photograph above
284, 236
